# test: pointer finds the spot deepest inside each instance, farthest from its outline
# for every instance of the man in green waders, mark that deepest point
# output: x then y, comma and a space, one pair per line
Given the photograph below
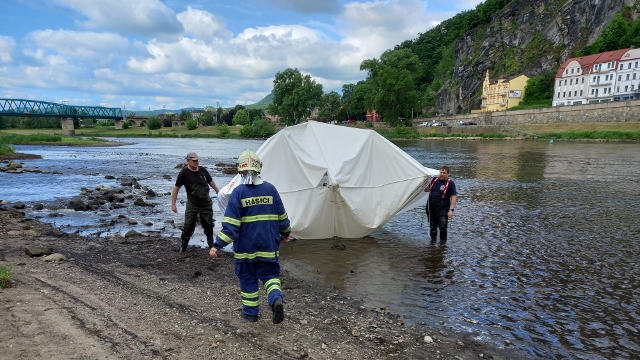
196, 181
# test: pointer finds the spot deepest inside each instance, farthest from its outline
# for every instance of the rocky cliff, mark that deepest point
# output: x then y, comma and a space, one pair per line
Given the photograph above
528, 37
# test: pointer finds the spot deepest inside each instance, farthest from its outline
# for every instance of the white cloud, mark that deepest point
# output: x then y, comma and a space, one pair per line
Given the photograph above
203, 25
146, 17
7, 45
377, 26
96, 49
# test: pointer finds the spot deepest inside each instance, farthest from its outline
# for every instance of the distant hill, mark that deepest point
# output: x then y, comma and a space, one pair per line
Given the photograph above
161, 111
262, 104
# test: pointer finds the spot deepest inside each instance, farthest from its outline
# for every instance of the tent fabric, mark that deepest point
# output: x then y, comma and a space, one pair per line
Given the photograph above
338, 181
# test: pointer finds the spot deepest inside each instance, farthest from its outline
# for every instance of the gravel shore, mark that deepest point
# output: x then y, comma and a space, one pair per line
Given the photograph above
137, 297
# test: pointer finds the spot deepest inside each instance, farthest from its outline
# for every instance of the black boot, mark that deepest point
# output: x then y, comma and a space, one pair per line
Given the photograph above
210, 242
278, 311
183, 246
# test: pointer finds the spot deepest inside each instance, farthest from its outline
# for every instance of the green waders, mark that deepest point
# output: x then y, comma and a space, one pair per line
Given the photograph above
198, 202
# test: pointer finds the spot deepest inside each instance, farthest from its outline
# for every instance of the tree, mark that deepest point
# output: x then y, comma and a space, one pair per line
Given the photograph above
394, 77
241, 118
294, 96
223, 129
208, 117
330, 105
347, 91
261, 128
361, 100
186, 116
192, 124
154, 123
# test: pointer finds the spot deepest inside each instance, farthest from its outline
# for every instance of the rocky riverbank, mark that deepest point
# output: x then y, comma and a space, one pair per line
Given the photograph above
136, 297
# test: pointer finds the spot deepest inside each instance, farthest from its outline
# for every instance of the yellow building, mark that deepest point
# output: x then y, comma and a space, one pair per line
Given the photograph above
502, 93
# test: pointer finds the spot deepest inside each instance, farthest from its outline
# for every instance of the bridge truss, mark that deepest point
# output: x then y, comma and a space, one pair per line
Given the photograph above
32, 108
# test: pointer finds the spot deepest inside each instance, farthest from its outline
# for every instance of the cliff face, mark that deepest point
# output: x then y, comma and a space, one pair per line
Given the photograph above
528, 37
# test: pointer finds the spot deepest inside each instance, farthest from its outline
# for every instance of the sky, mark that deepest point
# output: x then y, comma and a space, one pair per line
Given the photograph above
174, 54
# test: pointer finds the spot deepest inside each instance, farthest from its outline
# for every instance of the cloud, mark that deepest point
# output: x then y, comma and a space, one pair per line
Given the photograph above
145, 17
203, 25
7, 45
308, 6
90, 48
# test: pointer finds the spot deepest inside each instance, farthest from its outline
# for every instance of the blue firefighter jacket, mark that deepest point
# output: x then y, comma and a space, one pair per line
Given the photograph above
255, 221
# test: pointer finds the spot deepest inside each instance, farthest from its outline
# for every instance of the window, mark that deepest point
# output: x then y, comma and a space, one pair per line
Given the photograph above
575, 93
571, 82
592, 91
594, 79
565, 82
621, 66
626, 88
560, 83
618, 89
628, 76
558, 94
580, 92
566, 71
636, 64
572, 71
564, 94
619, 77
583, 80
634, 76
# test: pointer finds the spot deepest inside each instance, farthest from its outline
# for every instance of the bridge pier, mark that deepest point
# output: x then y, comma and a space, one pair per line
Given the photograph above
119, 124
67, 127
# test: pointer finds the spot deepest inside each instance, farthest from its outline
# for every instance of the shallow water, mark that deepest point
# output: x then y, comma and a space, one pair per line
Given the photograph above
542, 249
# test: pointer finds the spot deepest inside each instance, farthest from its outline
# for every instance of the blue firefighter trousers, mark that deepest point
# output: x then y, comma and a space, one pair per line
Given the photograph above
249, 273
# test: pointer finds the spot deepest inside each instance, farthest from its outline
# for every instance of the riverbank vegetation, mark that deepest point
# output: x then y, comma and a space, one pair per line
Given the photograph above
45, 137
6, 273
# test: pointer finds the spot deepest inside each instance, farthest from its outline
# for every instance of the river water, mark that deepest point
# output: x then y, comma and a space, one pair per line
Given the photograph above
542, 251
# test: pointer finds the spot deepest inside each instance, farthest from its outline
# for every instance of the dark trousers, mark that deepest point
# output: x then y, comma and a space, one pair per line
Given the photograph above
190, 217
438, 223
248, 273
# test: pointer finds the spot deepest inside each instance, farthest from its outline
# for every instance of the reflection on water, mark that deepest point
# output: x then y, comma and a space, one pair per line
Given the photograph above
543, 247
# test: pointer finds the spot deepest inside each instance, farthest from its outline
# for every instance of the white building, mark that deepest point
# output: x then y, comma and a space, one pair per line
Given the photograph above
628, 81
593, 78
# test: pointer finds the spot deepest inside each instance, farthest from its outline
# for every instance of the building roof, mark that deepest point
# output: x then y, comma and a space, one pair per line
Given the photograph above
587, 62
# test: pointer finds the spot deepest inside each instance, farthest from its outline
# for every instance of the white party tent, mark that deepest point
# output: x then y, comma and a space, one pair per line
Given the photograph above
338, 181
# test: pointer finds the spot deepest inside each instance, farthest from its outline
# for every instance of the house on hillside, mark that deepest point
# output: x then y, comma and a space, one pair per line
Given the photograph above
502, 93
604, 77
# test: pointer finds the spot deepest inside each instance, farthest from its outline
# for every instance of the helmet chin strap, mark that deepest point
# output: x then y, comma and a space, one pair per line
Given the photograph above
251, 178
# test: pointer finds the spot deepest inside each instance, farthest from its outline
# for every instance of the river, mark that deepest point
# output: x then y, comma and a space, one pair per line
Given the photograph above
542, 251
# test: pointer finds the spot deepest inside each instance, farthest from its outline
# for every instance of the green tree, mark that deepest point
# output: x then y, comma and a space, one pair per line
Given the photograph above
186, 116
613, 35
223, 129
362, 100
241, 117
208, 117
539, 88
343, 113
154, 123
394, 76
330, 106
294, 96
261, 128
192, 124
347, 91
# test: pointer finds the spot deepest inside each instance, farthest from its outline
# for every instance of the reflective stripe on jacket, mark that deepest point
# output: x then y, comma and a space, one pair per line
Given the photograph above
255, 221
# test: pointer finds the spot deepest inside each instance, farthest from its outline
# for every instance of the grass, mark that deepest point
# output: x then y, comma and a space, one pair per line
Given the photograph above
629, 131
6, 149
6, 273
43, 137
110, 131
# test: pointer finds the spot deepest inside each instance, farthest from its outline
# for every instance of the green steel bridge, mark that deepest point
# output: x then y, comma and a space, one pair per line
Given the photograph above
33, 108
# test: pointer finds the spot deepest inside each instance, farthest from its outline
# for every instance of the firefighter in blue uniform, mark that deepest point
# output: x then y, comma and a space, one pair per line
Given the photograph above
256, 222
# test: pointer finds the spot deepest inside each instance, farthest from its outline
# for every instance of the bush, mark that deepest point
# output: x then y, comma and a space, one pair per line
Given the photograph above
262, 128
6, 149
192, 124
166, 122
223, 130
154, 123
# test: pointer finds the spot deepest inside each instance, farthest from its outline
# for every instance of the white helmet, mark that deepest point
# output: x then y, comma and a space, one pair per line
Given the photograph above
249, 161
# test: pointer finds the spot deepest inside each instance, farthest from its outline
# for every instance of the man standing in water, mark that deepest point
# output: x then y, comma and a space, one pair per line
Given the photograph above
441, 204
196, 180
256, 222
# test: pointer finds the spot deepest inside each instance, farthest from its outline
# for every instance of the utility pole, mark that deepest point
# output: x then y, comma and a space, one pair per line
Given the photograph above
217, 107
